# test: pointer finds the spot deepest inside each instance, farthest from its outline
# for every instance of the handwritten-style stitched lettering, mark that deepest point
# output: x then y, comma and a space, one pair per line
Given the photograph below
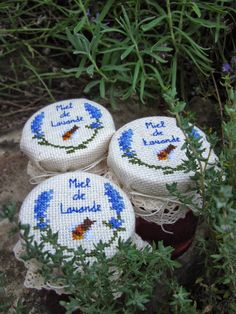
82, 209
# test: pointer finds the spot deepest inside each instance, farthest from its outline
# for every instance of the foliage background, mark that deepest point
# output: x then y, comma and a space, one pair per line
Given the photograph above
137, 50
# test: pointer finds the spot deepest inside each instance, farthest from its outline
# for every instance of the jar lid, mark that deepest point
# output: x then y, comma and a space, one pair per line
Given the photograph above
146, 154
83, 208
67, 135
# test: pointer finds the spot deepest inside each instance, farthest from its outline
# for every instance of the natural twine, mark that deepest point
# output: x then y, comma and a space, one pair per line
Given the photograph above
39, 174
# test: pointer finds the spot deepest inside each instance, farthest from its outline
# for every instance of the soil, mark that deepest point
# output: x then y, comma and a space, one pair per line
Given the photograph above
14, 186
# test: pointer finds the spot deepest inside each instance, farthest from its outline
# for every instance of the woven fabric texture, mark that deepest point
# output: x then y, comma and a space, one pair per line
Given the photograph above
67, 135
83, 208
144, 156
144, 153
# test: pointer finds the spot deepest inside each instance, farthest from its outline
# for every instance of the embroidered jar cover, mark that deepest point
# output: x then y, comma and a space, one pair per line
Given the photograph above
67, 135
145, 155
84, 209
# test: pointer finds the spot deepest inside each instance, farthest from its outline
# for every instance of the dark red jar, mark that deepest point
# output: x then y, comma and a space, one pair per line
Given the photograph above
180, 238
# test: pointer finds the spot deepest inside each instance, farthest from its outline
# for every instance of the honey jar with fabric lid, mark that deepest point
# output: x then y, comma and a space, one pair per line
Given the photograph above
144, 157
65, 136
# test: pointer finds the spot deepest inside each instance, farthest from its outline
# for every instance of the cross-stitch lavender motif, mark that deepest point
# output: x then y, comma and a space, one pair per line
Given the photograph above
125, 141
40, 208
118, 205
114, 198
95, 125
93, 111
116, 223
36, 125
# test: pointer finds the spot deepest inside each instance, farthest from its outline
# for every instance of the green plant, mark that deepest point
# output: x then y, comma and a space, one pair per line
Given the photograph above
122, 49
143, 46
122, 284
134, 273
216, 185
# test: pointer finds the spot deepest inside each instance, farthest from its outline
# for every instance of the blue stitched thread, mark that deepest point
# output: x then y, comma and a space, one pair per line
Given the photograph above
36, 125
94, 112
195, 133
125, 141
95, 125
41, 205
115, 223
114, 198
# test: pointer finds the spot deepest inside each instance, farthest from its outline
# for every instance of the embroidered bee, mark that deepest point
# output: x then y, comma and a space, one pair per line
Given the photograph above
79, 232
66, 136
164, 154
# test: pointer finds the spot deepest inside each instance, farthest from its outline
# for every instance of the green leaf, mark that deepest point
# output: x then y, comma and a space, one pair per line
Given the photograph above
127, 94
112, 30
70, 37
153, 23
155, 56
136, 73
80, 25
79, 52
127, 52
189, 39
156, 47
179, 106
205, 23
112, 50
91, 85
199, 54
198, 63
156, 75
81, 67
79, 41
174, 71
119, 68
142, 87
102, 88
105, 10
196, 9
90, 70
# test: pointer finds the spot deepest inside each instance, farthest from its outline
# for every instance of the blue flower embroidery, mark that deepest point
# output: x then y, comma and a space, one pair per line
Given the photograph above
116, 223
114, 198
41, 205
93, 111
125, 141
96, 125
36, 125
195, 133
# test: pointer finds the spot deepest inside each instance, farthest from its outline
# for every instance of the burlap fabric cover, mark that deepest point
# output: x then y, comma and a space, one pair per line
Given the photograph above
67, 135
84, 209
144, 156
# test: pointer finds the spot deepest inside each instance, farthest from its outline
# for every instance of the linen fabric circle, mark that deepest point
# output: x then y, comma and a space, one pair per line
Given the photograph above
67, 135
83, 208
146, 154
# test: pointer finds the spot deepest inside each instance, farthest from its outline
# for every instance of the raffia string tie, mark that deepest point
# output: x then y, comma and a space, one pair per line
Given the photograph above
36, 179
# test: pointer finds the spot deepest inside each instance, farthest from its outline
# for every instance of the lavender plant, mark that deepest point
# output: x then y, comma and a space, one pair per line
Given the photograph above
122, 49
139, 48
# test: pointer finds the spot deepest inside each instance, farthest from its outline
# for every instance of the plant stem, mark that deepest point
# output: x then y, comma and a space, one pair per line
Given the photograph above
202, 177
170, 22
